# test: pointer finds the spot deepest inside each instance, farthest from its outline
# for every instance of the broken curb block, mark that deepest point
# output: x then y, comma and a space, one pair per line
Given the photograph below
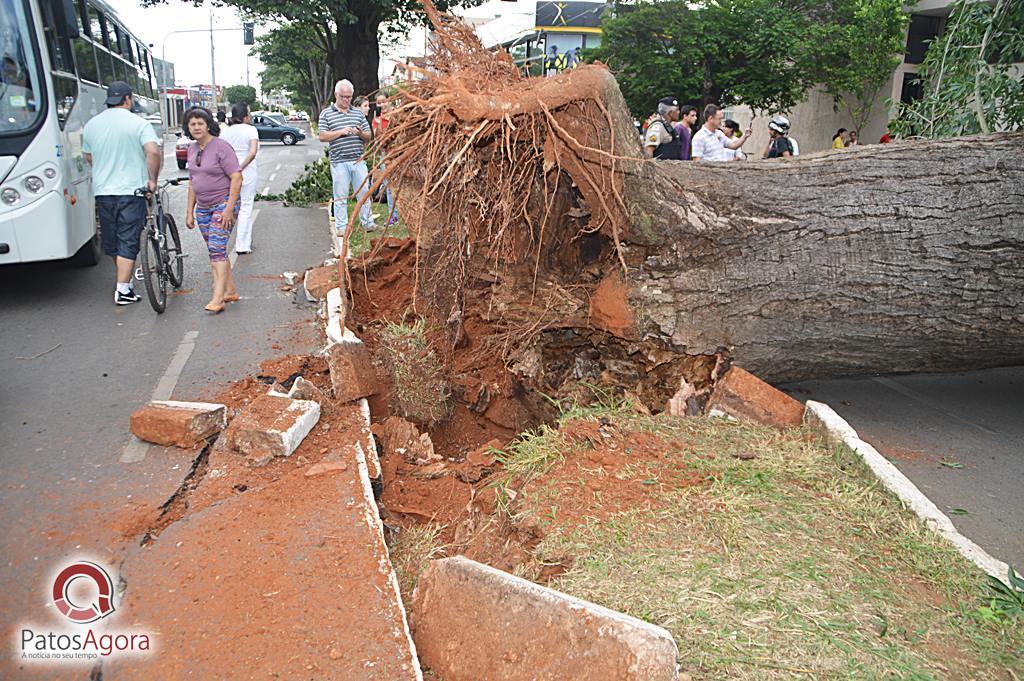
352, 373
471, 622
183, 424
334, 309
271, 426
319, 280
290, 278
742, 395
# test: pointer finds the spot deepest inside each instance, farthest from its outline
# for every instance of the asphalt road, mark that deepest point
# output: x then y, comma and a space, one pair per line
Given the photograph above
958, 437
73, 367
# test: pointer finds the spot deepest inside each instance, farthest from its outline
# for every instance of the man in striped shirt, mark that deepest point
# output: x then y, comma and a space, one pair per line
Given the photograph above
347, 131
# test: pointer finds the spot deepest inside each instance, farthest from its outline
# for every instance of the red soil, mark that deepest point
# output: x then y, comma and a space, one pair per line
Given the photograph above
609, 471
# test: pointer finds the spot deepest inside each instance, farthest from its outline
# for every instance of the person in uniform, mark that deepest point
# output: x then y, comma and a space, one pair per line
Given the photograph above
662, 140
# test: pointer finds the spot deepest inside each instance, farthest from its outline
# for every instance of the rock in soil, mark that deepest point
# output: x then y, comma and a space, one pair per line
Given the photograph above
744, 396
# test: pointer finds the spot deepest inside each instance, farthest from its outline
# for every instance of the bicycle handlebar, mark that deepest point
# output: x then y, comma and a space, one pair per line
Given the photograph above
144, 191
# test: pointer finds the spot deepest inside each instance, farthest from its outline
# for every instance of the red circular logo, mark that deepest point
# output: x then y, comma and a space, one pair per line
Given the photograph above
83, 614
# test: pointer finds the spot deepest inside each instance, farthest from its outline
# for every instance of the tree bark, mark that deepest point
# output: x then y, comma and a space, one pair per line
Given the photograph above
357, 55
877, 259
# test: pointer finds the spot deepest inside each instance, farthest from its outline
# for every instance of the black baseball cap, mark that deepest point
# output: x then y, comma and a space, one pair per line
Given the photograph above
117, 91
668, 101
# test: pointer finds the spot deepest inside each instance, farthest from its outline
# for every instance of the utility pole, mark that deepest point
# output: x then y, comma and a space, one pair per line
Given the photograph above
213, 67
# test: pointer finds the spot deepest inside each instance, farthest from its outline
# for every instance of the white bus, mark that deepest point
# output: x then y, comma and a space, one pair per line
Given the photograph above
57, 58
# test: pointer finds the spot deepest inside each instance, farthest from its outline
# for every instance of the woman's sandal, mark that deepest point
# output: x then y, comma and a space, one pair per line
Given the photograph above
214, 310
233, 298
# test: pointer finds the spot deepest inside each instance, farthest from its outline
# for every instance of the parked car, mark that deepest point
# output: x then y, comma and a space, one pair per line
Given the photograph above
270, 129
181, 151
272, 115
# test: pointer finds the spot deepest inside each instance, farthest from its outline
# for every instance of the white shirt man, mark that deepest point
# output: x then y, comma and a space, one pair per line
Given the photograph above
710, 143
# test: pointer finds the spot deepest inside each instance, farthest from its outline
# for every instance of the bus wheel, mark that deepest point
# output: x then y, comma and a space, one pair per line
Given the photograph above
90, 252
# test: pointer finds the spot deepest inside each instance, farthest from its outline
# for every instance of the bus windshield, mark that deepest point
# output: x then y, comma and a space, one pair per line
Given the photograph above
19, 75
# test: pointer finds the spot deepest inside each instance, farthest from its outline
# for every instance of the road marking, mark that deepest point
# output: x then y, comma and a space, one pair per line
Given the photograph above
277, 167
927, 401
266, 190
137, 449
272, 176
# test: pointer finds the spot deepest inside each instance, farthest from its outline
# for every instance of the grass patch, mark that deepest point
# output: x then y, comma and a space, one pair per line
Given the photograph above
361, 241
791, 563
420, 391
411, 550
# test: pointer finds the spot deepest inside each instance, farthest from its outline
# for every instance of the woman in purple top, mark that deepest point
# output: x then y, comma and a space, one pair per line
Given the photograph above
215, 179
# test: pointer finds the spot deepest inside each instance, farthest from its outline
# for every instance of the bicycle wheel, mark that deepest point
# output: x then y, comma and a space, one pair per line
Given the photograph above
172, 249
153, 271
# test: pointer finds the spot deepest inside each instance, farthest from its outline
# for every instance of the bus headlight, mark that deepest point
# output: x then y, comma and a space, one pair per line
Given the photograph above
50, 173
33, 184
10, 196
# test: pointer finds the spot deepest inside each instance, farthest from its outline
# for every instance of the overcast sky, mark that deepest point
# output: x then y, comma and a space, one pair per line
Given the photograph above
190, 52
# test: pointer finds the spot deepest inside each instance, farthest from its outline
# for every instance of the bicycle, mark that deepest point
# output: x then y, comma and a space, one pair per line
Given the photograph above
161, 258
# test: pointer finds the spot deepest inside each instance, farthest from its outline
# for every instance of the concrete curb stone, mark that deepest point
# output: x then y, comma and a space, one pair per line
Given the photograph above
472, 621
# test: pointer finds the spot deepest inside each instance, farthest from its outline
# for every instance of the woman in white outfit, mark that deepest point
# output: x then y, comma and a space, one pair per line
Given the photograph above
244, 139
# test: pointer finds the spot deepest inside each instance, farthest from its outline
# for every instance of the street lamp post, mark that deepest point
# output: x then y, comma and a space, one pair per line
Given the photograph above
163, 67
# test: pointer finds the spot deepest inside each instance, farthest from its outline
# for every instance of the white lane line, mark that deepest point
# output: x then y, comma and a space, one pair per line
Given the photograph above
266, 190
925, 400
277, 167
272, 176
232, 257
137, 449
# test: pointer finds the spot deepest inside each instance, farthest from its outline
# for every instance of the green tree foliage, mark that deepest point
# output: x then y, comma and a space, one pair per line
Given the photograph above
346, 33
968, 79
724, 52
854, 49
295, 65
762, 53
240, 93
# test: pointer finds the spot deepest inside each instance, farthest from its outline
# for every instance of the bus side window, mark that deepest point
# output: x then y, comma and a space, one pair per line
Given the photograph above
84, 55
144, 71
59, 48
153, 77
103, 58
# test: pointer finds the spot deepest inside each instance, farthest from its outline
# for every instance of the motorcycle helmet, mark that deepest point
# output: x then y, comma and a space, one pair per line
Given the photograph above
779, 124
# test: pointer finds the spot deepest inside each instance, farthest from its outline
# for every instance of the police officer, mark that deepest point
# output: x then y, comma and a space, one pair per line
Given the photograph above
661, 139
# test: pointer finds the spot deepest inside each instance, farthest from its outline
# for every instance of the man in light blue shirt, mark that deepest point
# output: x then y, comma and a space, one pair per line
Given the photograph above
123, 151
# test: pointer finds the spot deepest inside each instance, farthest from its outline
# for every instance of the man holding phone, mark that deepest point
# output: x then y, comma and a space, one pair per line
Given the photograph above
710, 143
347, 131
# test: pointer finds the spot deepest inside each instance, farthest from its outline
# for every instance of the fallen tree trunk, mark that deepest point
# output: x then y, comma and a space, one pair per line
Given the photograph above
533, 208
880, 259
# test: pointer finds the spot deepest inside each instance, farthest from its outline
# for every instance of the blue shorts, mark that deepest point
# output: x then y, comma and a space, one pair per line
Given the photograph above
121, 221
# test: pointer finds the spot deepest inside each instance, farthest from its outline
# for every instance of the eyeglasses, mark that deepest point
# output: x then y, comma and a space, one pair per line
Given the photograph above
199, 158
